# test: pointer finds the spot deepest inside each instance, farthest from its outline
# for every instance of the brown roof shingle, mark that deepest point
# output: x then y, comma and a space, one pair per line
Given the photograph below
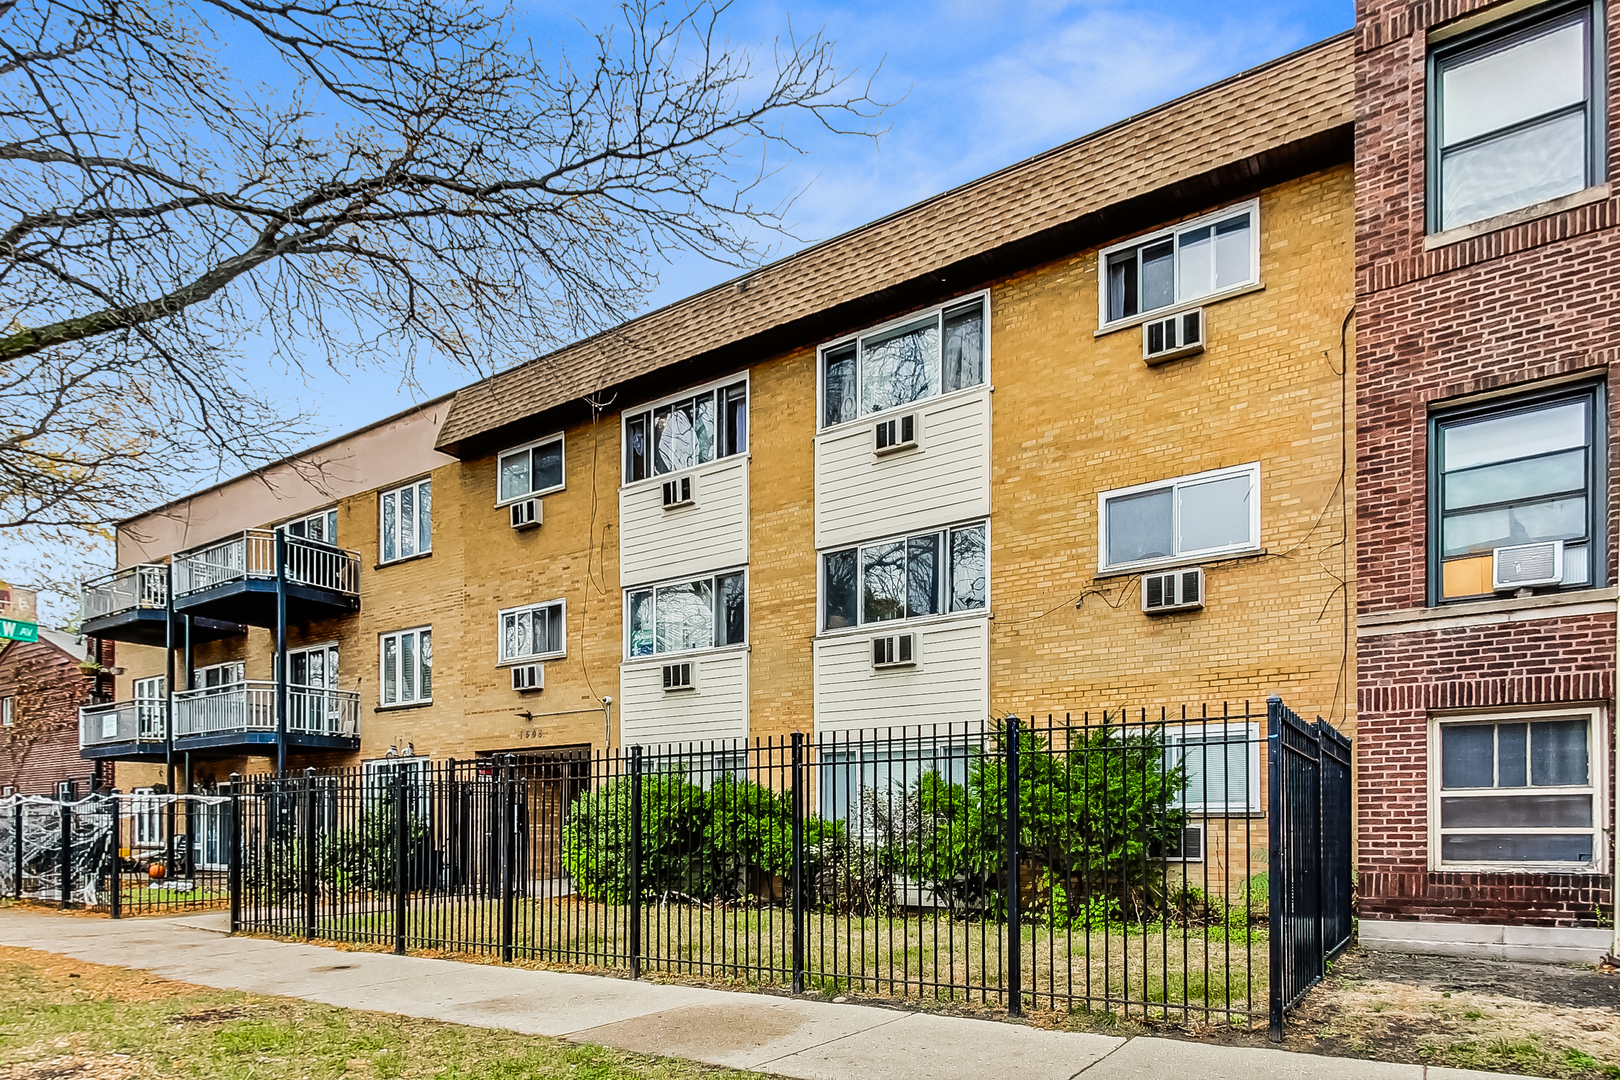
1289, 100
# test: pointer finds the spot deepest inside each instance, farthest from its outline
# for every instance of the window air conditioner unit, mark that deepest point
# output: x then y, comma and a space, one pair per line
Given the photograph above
527, 677
677, 493
526, 514
898, 433
678, 676
1173, 590
894, 651
1186, 846
1525, 565
1173, 336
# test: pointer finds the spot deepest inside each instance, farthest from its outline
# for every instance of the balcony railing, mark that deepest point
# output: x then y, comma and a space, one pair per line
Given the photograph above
121, 722
251, 706
252, 556
130, 589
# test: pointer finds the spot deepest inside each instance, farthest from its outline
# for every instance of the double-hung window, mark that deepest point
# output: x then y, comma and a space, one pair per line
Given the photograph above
414, 773
682, 616
1521, 472
1515, 115
922, 357
1191, 517
531, 469
687, 432
906, 577
1515, 790
1220, 768
1204, 257
321, 526
406, 521
407, 667
534, 632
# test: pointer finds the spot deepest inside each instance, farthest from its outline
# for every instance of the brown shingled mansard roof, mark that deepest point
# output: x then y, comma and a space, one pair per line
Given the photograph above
1284, 118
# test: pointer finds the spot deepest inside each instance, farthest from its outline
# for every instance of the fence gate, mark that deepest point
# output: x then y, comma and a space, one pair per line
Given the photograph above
1310, 883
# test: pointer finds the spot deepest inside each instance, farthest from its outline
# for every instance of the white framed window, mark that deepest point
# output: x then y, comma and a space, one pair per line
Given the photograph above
320, 526
8, 710
1170, 521
378, 775
686, 431
1207, 256
859, 782
405, 521
150, 696
1516, 791
406, 664
531, 469
533, 632
920, 356
144, 811
685, 616
314, 666
216, 676
1221, 767
906, 577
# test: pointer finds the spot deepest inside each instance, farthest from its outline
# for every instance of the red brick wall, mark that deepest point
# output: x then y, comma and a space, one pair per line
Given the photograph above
42, 745
1506, 308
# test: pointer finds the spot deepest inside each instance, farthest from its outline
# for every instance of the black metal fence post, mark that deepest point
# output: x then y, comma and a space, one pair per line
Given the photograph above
234, 853
67, 854
635, 862
1015, 944
309, 854
115, 895
797, 883
1278, 913
17, 848
400, 911
509, 849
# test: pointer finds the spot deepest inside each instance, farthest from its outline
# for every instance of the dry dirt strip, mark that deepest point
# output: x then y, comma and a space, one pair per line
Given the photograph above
813, 1040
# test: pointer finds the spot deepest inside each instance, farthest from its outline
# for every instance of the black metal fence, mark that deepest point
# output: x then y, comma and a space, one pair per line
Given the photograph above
1113, 861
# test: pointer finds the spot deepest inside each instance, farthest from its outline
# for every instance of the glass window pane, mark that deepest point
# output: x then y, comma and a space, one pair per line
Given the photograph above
1517, 811
922, 575
1234, 251
1466, 755
635, 448
968, 575
390, 526
1511, 763
1158, 276
900, 366
1526, 479
425, 659
1558, 753
1195, 268
509, 636
838, 380
407, 522
685, 616
883, 582
1533, 847
736, 420
1528, 78
641, 623
663, 440
839, 590
424, 517
1215, 514
964, 347
390, 672
525, 640
1559, 519
331, 527
407, 667
554, 629
703, 428
1518, 169
1141, 526
1516, 435
1122, 292
733, 610
515, 475
548, 466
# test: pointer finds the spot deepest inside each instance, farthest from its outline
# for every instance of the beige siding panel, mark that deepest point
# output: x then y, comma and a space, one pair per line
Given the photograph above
949, 686
657, 544
860, 496
716, 709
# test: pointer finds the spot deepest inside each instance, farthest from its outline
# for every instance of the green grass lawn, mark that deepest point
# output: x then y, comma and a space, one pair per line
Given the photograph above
63, 1019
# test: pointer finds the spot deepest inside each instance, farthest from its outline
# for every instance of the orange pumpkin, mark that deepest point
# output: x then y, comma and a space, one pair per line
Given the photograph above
156, 871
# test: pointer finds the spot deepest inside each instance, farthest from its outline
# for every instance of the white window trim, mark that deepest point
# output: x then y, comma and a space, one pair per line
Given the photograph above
198, 672
319, 647
529, 658
509, 451
395, 490
656, 657
652, 478
8, 710
1597, 757
871, 331
1180, 558
1104, 325
1252, 742
900, 625
381, 639
286, 526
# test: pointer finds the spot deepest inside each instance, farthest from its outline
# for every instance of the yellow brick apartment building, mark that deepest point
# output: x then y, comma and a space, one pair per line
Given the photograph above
1072, 436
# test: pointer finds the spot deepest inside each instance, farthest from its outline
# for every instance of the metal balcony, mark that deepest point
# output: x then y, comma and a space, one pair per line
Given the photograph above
237, 579
126, 730
241, 717
131, 605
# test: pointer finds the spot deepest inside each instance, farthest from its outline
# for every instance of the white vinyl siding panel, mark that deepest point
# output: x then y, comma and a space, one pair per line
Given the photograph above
946, 478
949, 685
717, 707
657, 544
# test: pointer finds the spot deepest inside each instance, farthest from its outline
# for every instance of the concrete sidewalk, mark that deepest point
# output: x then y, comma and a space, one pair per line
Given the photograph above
811, 1039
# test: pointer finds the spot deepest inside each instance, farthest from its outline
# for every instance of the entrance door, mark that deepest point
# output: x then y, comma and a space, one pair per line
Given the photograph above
210, 847
312, 674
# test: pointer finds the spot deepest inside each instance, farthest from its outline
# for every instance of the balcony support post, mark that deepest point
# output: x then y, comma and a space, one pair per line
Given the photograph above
190, 658
281, 653
168, 729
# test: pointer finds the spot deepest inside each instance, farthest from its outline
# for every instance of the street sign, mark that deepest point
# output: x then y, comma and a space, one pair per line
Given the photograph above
17, 630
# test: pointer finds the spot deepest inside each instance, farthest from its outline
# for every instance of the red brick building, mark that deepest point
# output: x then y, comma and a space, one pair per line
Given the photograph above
1488, 271
41, 689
